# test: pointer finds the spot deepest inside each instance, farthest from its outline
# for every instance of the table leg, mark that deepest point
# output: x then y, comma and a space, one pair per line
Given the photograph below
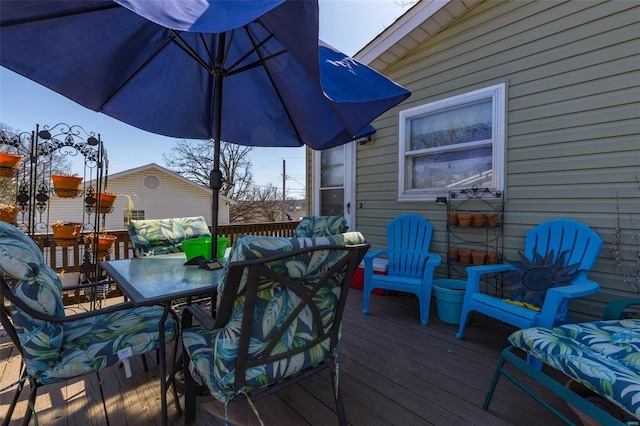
162, 362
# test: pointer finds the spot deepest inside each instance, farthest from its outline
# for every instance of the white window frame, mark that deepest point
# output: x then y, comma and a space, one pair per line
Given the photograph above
497, 94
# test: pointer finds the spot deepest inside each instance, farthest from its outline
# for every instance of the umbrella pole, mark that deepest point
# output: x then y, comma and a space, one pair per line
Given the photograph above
215, 178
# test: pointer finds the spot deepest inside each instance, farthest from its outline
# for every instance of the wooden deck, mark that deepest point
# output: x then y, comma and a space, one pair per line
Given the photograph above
393, 371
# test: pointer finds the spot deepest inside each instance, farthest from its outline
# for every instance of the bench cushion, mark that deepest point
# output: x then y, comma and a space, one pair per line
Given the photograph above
320, 226
604, 356
161, 236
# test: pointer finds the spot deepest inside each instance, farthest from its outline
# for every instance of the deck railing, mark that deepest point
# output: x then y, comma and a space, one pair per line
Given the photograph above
71, 258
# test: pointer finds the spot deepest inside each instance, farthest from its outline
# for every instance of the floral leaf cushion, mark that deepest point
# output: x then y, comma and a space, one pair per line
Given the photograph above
161, 236
54, 350
320, 226
93, 343
214, 352
20, 257
602, 355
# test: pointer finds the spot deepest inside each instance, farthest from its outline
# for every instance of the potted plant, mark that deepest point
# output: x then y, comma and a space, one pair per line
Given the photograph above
9, 164
66, 186
105, 243
9, 212
66, 233
106, 201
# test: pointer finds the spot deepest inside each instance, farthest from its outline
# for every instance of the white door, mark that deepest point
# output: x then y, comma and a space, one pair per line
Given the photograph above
334, 182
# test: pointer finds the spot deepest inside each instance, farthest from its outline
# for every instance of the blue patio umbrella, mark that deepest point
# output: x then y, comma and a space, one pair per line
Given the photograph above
246, 72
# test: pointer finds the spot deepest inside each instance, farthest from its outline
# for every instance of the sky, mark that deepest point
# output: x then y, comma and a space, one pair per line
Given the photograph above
347, 25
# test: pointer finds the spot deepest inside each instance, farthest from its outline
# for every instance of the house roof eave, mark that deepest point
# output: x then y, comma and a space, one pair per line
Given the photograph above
425, 19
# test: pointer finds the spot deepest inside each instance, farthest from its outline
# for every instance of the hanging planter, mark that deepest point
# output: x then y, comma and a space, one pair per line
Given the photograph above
106, 201
105, 243
66, 186
9, 164
66, 234
9, 213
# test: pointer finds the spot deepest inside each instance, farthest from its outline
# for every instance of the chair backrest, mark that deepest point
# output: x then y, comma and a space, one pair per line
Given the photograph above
580, 243
38, 287
280, 307
161, 236
408, 241
320, 226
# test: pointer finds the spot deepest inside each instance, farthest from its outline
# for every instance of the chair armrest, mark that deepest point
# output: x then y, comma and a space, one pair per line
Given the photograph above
615, 309
368, 261
201, 315
555, 296
475, 272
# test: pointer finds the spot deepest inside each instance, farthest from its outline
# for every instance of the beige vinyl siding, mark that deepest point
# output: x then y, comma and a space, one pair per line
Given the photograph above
173, 198
572, 71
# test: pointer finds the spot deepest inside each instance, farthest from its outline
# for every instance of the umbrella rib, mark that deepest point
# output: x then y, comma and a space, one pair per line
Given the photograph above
246, 55
134, 74
186, 48
266, 70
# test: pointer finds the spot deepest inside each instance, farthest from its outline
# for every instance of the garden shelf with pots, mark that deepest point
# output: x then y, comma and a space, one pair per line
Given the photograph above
474, 232
35, 153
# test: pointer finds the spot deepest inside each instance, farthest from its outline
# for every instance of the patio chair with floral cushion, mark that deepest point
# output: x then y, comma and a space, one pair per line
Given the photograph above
320, 226
54, 346
279, 318
151, 237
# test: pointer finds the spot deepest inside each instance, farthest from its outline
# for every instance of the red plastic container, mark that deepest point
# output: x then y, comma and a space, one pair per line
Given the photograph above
380, 266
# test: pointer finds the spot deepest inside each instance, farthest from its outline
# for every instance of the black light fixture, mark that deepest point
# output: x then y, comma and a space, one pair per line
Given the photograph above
441, 201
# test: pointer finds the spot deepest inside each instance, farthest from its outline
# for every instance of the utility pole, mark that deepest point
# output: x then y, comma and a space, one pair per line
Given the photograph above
284, 181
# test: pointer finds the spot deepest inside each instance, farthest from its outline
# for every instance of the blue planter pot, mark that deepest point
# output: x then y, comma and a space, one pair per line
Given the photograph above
449, 296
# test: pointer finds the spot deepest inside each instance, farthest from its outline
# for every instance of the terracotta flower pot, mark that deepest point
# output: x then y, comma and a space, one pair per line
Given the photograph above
464, 219
66, 233
477, 219
491, 219
66, 186
453, 218
479, 257
492, 257
465, 256
9, 164
105, 243
454, 253
106, 201
9, 213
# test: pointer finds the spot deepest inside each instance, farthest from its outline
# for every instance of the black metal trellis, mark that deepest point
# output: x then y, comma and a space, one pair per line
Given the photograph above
32, 178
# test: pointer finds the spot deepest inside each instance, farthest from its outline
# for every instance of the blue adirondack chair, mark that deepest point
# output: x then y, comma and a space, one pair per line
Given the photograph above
558, 251
411, 266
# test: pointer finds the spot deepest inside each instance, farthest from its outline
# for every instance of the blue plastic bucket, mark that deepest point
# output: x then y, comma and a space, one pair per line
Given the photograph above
449, 296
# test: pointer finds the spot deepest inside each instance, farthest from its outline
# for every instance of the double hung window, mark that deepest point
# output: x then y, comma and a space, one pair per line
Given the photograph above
452, 144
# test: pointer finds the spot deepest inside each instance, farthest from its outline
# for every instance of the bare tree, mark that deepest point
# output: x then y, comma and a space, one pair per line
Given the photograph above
264, 204
194, 160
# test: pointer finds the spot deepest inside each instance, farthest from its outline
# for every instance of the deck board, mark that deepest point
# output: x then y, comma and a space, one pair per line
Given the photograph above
393, 371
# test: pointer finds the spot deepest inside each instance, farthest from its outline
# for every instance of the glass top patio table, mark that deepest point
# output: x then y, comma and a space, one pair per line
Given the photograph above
158, 279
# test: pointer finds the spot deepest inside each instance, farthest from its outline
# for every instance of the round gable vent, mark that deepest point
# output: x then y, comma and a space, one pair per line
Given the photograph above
151, 182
